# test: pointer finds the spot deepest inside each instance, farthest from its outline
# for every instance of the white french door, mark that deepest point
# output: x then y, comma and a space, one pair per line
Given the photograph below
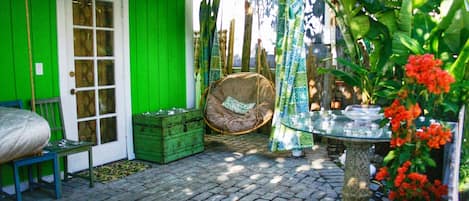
91, 77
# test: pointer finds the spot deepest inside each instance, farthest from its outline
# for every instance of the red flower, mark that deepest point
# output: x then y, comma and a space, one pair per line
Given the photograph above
397, 142
392, 195
435, 135
424, 79
398, 113
427, 71
438, 189
417, 177
382, 174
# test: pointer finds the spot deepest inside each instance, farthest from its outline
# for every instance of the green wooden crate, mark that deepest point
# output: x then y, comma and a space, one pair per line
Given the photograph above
192, 115
168, 144
141, 129
158, 148
192, 125
162, 157
157, 119
168, 118
166, 136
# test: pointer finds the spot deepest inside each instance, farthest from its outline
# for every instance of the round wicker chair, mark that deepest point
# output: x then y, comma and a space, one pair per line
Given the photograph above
245, 87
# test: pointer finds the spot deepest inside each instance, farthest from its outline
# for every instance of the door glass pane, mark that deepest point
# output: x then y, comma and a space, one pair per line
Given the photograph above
105, 72
105, 40
87, 131
106, 101
85, 104
108, 130
82, 12
83, 42
84, 76
104, 14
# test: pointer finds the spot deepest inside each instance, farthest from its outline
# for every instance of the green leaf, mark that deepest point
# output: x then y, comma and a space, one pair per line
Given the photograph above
389, 157
450, 107
429, 161
359, 26
354, 67
388, 19
418, 3
460, 84
347, 78
400, 52
348, 5
404, 156
385, 93
458, 68
453, 34
391, 84
409, 43
405, 17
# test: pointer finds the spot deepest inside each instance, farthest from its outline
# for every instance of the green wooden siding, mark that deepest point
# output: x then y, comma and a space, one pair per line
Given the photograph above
14, 59
157, 54
157, 49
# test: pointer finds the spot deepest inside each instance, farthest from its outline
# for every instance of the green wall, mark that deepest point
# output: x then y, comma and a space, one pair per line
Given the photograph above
157, 50
14, 60
157, 54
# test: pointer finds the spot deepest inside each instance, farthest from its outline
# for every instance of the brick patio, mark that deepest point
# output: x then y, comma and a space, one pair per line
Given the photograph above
231, 168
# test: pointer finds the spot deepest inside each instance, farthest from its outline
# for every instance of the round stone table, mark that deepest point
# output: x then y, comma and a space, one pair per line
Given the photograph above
357, 139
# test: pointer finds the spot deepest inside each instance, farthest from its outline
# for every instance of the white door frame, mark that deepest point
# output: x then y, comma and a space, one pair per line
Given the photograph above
127, 83
190, 76
65, 63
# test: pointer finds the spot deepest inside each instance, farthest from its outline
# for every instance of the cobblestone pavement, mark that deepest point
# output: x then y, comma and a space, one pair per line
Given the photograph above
231, 168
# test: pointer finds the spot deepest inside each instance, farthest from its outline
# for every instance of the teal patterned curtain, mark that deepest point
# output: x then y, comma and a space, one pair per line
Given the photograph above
215, 60
291, 79
208, 13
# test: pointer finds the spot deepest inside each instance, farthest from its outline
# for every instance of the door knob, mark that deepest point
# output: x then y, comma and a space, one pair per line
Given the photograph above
72, 74
72, 91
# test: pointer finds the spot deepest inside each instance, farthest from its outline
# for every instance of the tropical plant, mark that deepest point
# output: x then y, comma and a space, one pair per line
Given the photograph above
370, 81
400, 28
405, 167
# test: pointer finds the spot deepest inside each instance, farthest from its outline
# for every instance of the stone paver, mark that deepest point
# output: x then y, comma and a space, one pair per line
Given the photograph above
230, 168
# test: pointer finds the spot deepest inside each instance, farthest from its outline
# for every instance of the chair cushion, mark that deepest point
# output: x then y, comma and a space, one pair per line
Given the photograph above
237, 106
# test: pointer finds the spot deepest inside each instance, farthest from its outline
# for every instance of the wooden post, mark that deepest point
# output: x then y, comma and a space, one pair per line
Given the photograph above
30, 54
314, 80
258, 56
265, 65
229, 62
326, 89
196, 51
222, 42
247, 37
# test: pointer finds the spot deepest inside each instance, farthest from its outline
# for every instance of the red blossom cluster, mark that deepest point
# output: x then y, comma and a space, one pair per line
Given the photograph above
382, 174
412, 185
424, 78
399, 116
399, 113
435, 135
426, 70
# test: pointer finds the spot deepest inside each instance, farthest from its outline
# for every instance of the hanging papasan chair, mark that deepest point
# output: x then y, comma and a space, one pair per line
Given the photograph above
239, 103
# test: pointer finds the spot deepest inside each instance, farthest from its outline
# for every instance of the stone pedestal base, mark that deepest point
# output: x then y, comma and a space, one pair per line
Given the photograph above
357, 172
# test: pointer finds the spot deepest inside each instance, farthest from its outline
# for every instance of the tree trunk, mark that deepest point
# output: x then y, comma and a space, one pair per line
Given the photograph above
222, 39
229, 62
247, 37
